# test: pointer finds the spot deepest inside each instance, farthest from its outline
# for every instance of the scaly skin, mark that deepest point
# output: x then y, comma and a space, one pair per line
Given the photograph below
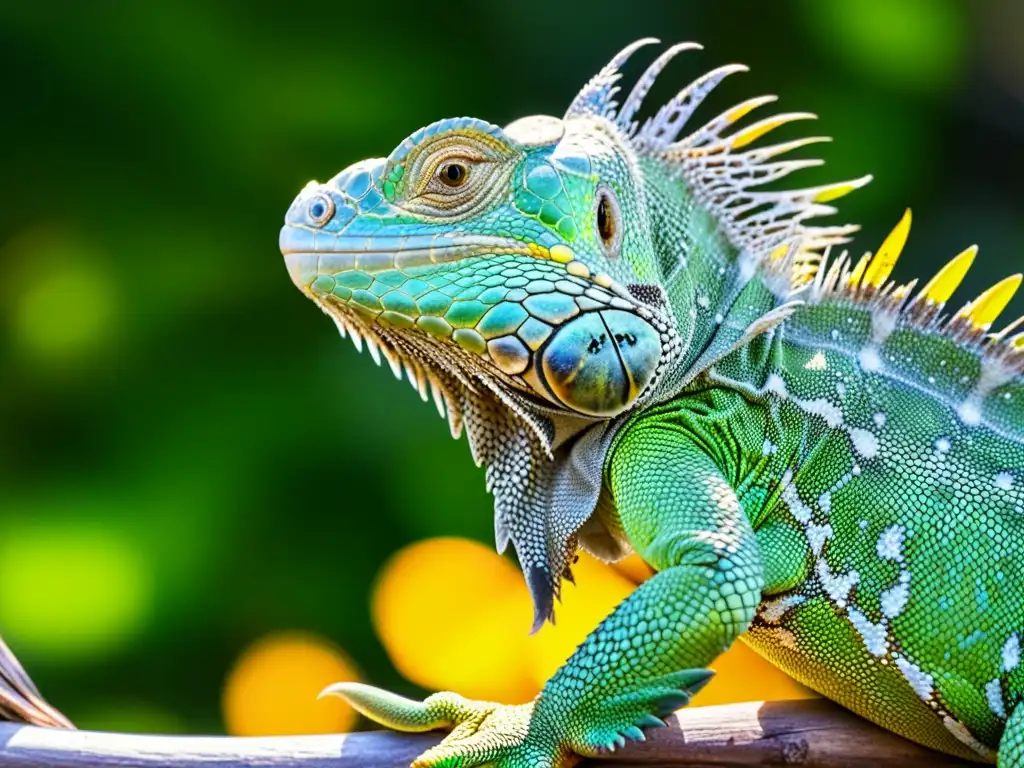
651, 355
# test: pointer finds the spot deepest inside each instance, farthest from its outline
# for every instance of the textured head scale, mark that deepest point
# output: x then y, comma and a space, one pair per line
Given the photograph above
538, 280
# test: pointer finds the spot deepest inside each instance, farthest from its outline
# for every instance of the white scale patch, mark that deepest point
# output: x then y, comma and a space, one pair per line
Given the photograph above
837, 585
817, 535
921, 682
1011, 653
873, 635
769, 448
831, 413
994, 694
773, 610
994, 373
970, 412
776, 385
791, 497
942, 445
890, 543
879, 419
817, 363
865, 443
1004, 481
894, 599
869, 359
825, 502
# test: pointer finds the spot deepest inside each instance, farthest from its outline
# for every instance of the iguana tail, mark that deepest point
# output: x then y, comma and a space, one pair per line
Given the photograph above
20, 700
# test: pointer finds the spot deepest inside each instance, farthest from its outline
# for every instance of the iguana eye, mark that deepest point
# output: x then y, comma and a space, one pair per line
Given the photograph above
453, 174
608, 219
321, 209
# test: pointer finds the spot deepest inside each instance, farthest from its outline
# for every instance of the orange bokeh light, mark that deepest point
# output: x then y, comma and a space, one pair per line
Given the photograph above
454, 615
273, 688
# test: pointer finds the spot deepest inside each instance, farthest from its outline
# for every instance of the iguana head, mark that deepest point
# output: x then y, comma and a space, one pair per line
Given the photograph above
547, 279
521, 254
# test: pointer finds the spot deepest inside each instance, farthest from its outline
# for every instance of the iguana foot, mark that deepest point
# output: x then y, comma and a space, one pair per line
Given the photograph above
503, 736
482, 732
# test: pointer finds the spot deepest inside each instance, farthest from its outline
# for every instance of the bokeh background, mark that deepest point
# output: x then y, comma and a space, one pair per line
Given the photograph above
200, 484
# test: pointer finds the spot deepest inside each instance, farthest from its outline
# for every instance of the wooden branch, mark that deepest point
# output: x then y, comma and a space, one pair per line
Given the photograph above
804, 733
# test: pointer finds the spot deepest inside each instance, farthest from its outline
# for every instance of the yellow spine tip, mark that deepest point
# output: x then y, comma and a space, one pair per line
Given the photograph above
742, 110
984, 310
757, 130
888, 253
779, 252
901, 292
941, 287
858, 271
841, 189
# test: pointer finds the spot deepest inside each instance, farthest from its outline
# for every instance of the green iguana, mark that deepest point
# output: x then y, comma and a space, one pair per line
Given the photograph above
651, 352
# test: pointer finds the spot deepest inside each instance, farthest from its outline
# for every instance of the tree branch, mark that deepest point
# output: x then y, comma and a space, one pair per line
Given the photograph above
806, 733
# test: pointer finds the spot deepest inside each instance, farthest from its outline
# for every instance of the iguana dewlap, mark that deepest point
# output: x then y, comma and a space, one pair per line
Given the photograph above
650, 352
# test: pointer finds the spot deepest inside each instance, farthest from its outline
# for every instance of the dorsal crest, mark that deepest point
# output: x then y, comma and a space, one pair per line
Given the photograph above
866, 282
718, 163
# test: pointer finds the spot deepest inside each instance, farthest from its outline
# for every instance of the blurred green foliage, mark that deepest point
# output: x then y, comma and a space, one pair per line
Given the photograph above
189, 457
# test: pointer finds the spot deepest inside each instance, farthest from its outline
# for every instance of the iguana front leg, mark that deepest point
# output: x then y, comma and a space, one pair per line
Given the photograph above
650, 655
1011, 748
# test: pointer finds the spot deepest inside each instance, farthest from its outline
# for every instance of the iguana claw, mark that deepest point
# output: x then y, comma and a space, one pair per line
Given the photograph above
436, 712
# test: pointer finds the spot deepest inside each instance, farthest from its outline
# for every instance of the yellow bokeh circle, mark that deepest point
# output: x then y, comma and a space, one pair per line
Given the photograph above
273, 688
454, 615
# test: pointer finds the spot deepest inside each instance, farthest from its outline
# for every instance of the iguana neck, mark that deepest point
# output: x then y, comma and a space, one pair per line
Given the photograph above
702, 273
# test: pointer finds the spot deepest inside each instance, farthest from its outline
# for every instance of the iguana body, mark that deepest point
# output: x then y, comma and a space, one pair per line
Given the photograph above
651, 354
